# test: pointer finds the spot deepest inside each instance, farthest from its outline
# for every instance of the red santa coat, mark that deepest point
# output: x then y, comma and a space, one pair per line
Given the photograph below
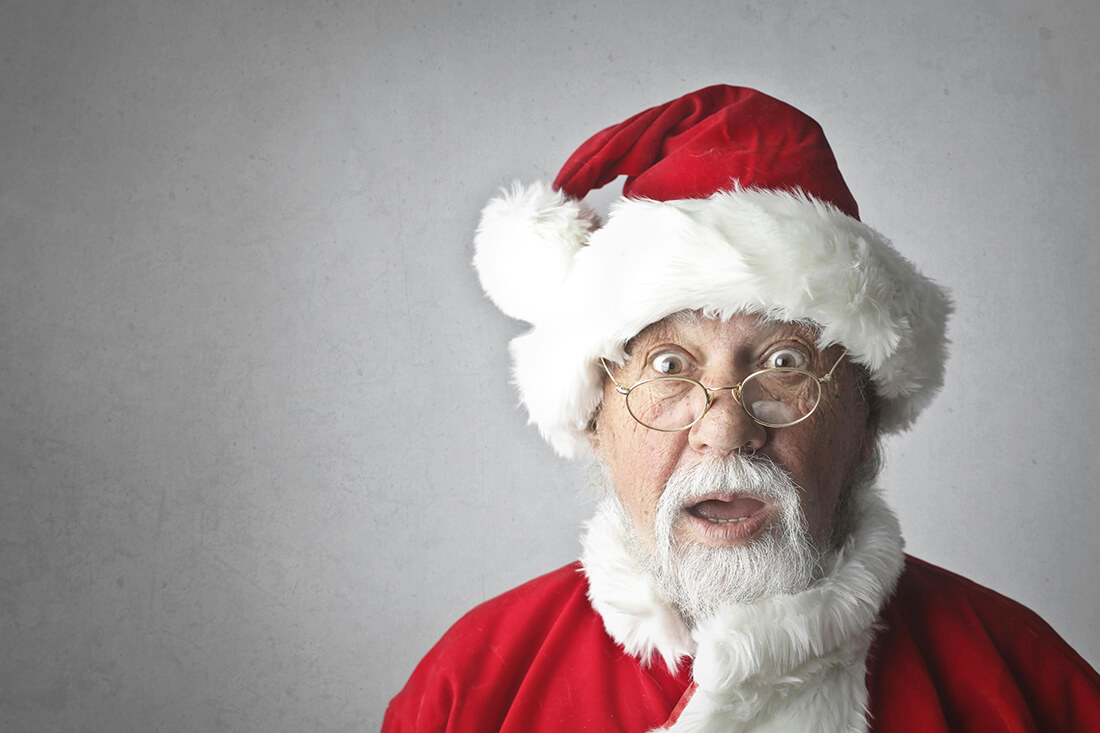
951, 656
947, 655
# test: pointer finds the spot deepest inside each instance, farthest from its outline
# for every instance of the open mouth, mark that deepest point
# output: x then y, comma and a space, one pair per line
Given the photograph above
728, 519
726, 511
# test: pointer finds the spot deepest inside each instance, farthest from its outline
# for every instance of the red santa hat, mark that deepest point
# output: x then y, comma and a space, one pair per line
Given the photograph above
733, 203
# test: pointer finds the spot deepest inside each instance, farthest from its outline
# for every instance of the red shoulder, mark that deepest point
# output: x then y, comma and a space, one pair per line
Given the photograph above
518, 616
962, 655
535, 658
491, 647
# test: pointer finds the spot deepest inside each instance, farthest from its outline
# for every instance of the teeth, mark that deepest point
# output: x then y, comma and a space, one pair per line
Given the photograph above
726, 521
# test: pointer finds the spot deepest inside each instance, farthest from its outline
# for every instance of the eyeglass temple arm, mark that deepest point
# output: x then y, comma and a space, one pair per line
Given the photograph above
828, 377
618, 387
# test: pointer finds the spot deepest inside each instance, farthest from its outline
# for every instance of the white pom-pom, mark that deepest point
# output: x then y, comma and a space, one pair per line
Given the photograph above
524, 247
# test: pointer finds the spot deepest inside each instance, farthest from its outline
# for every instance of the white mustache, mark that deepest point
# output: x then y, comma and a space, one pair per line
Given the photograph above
737, 475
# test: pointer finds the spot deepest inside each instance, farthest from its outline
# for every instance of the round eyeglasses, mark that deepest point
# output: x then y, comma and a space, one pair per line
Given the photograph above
776, 398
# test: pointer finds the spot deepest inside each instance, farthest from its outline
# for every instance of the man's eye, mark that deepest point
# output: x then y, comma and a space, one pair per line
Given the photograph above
668, 364
785, 359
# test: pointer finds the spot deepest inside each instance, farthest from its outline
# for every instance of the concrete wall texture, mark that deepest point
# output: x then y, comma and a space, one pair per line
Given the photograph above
258, 448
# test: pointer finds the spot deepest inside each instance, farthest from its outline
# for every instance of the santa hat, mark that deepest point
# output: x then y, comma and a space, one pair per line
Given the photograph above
733, 203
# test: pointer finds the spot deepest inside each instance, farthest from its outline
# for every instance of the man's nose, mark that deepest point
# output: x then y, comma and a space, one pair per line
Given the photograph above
726, 427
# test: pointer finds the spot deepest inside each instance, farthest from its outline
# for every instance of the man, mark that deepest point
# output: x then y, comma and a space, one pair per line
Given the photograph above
729, 346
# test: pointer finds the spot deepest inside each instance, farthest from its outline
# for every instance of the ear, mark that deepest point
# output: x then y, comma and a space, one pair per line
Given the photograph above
870, 437
593, 435
873, 404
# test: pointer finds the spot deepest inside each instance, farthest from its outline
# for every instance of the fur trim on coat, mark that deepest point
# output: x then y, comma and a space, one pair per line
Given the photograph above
787, 663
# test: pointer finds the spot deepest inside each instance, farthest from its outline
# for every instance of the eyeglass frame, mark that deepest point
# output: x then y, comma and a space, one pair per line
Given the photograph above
735, 392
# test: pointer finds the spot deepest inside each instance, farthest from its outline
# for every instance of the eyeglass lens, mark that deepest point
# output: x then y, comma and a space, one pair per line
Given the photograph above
772, 397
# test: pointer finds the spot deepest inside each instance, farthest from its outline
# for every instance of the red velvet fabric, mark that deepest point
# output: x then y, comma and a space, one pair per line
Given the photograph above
705, 142
959, 657
952, 656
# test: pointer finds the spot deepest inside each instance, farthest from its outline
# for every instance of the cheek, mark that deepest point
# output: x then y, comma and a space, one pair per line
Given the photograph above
639, 461
823, 458
819, 476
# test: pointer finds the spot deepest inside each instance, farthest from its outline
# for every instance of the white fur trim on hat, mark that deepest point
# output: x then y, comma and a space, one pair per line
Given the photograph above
587, 291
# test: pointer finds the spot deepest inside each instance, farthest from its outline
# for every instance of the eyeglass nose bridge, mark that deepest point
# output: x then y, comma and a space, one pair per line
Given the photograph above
735, 392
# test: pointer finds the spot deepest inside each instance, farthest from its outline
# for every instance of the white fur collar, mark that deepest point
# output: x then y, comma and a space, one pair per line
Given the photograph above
787, 663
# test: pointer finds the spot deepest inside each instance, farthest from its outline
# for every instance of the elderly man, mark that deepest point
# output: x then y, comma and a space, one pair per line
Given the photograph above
730, 345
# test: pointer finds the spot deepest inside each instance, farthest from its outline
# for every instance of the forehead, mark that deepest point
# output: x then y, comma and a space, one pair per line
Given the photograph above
695, 328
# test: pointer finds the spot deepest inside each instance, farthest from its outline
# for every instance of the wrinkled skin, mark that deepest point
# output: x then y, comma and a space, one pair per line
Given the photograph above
821, 452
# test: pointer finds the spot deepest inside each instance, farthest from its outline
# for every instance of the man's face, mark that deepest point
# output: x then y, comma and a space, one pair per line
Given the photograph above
820, 454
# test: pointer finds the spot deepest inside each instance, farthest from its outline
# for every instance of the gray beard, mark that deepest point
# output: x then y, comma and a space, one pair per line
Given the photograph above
697, 580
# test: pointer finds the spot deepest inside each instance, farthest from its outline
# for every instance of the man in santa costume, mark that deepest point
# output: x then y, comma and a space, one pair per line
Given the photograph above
729, 345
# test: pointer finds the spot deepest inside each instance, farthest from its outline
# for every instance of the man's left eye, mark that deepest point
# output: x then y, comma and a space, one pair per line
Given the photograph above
785, 359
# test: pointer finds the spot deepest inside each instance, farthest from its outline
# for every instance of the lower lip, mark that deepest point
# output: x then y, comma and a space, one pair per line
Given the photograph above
729, 533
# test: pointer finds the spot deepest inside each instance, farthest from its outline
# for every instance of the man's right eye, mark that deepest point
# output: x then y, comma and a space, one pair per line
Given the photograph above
669, 364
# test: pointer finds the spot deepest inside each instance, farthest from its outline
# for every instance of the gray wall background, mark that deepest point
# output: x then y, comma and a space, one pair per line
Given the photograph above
257, 443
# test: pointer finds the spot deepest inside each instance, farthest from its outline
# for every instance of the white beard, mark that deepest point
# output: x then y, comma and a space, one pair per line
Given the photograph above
696, 579
790, 662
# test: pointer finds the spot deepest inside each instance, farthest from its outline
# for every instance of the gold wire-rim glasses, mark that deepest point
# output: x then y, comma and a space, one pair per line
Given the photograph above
735, 390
